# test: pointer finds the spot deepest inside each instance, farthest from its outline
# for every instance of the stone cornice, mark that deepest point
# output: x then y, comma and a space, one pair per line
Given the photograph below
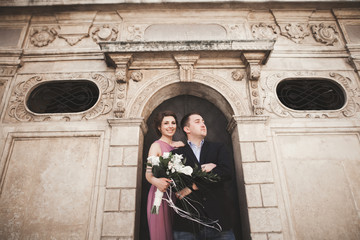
253, 52
180, 46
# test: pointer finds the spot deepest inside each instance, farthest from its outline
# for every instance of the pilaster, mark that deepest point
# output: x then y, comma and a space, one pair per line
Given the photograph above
124, 170
254, 167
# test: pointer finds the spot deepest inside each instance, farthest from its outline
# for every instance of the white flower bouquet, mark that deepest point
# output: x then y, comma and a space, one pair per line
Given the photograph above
171, 166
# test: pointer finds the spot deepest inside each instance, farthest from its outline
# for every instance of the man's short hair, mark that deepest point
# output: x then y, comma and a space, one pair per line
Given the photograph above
185, 120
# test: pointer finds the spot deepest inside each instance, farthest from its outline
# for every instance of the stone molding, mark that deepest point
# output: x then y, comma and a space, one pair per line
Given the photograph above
273, 105
236, 120
180, 46
129, 122
17, 109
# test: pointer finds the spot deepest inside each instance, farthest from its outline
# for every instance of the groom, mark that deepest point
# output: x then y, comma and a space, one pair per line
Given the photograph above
211, 157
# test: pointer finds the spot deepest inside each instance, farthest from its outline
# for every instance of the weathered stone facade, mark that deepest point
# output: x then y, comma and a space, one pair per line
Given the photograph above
78, 175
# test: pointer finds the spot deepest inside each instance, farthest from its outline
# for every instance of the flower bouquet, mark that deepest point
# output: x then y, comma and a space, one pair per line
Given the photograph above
171, 166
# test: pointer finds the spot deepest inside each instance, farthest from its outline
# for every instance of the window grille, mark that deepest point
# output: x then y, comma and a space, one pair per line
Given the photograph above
310, 94
63, 97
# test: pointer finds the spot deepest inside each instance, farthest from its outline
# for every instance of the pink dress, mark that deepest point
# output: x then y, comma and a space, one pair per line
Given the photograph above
160, 225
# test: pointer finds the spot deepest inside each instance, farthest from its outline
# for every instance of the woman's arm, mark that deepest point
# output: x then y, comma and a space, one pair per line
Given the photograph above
161, 183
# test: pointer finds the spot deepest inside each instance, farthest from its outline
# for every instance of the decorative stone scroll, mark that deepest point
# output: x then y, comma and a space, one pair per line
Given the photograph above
186, 64
18, 110
296, 32
273, 104
325, 33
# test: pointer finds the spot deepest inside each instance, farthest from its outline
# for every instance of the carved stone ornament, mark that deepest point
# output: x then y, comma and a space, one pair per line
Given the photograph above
43, 36
272, 103
325, 33
152, 86
120, 93
136, 32
186, 64
237, 75
18, 110
8, 71
121, 74
121, 62
265, 31
296, 32
136, 76
254, 71
104, 33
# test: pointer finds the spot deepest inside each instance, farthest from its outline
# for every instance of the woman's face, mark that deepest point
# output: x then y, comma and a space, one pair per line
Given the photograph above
168, 126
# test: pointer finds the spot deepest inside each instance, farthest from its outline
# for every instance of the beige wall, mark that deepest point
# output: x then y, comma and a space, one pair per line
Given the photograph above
78, 176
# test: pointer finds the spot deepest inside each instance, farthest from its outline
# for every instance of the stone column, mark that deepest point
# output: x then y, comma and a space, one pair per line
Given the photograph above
255, 178
122, 194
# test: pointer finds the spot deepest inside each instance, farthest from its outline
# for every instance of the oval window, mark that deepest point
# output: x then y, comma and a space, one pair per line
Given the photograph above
314, 94
63, 97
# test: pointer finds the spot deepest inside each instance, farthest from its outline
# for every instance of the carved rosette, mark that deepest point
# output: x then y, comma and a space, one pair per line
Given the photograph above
104, 33
136, 76
325, 33
296, 32
237, 75
17, 107
136, 32
265, 31
272, 103
40, 37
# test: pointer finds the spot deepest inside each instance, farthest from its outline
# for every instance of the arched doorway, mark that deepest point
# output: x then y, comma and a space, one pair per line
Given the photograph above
217, 125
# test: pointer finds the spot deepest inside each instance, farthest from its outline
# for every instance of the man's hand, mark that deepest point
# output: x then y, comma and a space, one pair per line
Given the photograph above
207, 167
183, 193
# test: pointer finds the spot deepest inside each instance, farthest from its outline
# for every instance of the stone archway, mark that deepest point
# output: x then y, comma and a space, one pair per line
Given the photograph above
217, 124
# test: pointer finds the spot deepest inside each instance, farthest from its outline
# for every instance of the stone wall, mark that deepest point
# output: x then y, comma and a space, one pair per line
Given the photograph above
78, 175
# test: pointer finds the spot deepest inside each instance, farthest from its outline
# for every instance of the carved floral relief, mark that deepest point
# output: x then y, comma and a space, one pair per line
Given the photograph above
42, 36
135, 33
265, 31
18, 110
326, 34
272, 103
296, 32
104, 33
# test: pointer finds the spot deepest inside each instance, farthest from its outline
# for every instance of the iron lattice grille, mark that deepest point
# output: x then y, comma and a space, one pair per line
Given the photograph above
316, 94
63, 97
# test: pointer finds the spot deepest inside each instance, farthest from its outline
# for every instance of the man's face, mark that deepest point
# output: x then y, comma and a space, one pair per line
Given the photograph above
196, 126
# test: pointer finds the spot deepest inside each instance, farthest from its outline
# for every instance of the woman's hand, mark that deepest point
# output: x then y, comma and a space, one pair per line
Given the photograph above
207, 167
177, 144
161, 183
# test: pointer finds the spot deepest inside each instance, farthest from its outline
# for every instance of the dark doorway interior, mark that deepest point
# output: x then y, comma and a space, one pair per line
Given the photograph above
216, 124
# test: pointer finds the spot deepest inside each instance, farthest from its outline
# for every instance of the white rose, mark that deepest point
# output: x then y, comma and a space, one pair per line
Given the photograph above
177, 157
154, 160
166, 155
186, 170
